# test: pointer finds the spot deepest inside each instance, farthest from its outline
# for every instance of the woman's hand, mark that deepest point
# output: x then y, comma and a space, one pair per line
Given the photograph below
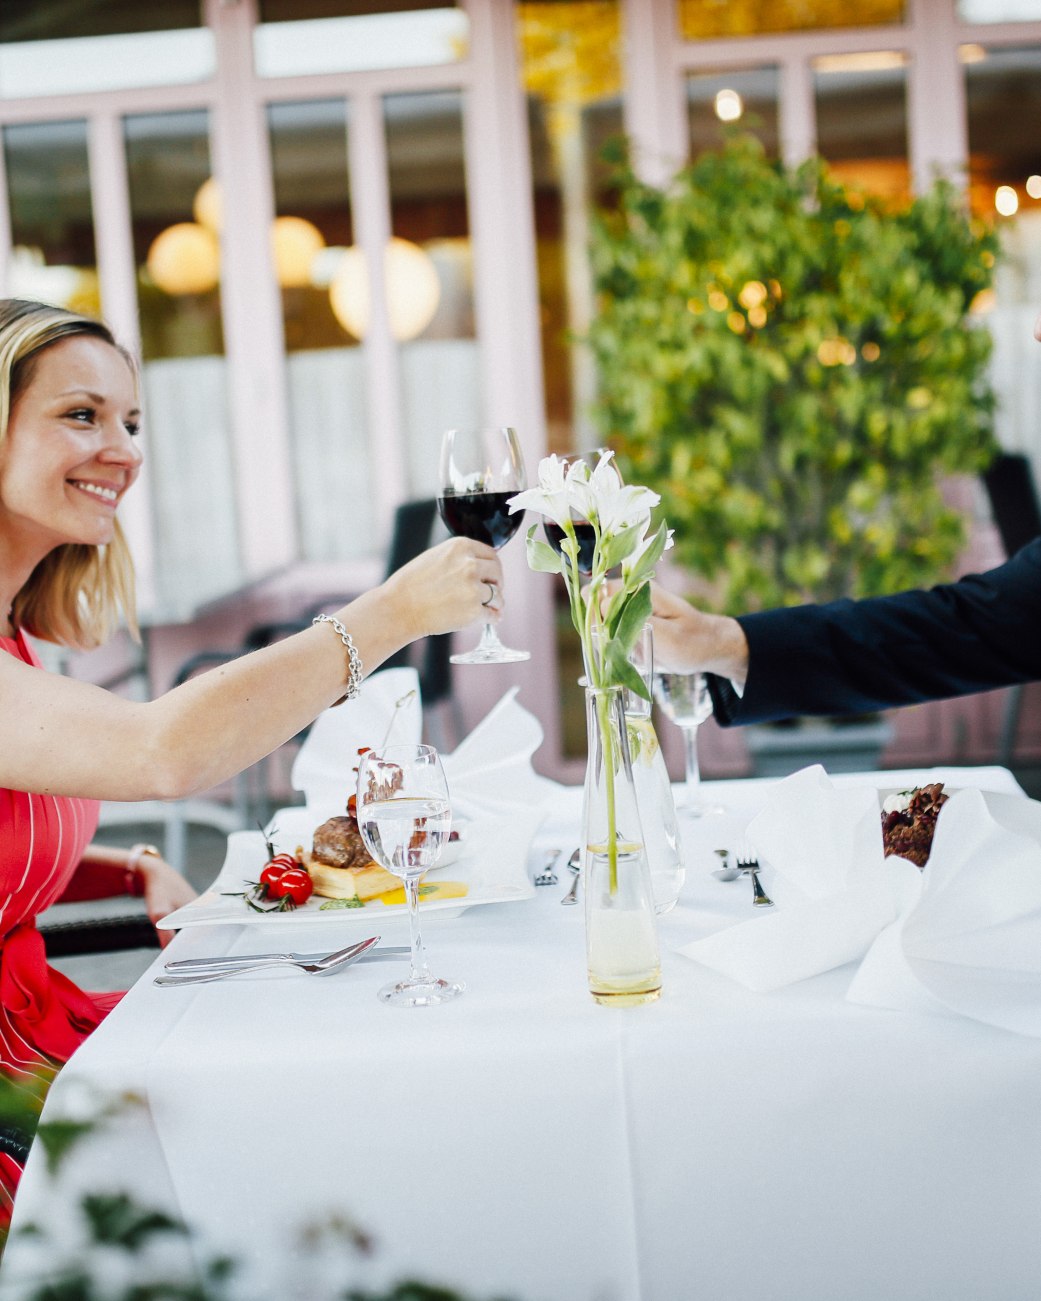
165, 890
447, 587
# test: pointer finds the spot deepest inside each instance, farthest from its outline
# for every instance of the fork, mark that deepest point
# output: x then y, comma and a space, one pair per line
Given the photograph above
331, 962
575, 864
547, 876
750, 866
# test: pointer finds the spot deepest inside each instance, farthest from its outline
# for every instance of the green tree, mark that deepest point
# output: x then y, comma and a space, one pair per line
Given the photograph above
793, 367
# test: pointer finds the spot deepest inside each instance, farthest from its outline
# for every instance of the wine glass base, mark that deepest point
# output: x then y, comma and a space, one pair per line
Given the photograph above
424, 992
699, 810
500, 655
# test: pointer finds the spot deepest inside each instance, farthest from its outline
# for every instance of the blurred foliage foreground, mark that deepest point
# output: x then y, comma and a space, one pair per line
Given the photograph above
794, 368
107, 1245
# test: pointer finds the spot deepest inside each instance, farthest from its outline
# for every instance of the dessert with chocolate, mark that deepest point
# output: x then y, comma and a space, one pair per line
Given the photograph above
909, 821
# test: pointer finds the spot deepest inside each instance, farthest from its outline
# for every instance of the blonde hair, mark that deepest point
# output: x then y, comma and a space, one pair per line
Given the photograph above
77, 594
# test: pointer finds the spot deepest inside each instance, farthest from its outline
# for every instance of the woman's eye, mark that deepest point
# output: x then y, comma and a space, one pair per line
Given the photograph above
132, 427
82, 413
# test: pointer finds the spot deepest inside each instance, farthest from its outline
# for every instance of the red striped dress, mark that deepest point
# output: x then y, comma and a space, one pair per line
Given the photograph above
43, 1015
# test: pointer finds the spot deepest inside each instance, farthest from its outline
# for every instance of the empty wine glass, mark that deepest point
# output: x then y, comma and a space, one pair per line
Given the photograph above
404, 817
481, 469
684, 699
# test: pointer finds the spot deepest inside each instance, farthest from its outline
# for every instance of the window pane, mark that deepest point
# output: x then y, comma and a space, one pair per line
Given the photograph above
186, 409
862, 120
325, 365
1003, 91
429, 275
999, 11
52, 226
572, 72
700, 19
352, 44
31, 20
121, 58
746, 98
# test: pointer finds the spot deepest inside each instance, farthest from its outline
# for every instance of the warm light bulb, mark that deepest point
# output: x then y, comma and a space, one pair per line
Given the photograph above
208, 206
729, 105
295, 243
411, 283
184, 259
1006, 200
1033, 187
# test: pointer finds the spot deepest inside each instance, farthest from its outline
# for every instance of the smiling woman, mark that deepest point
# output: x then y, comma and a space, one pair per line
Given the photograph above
69, 452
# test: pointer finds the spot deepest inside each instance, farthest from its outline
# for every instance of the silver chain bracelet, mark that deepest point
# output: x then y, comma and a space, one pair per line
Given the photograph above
354, 668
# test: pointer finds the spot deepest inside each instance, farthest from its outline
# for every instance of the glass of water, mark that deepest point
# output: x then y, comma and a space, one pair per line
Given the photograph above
404, 817
684, 700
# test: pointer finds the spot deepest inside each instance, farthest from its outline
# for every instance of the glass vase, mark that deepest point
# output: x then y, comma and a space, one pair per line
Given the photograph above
621, 939
657, 810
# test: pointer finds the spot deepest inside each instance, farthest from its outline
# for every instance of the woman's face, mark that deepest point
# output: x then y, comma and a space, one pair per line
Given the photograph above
69, 455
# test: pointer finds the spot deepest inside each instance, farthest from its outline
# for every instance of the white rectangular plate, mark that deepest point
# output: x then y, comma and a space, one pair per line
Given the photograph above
492, 861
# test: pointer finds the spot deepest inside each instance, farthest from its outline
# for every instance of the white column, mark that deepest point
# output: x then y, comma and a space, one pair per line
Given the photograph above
654, 108
796, 109
117, 276
499, 187
251, 309
370, 208
937, 126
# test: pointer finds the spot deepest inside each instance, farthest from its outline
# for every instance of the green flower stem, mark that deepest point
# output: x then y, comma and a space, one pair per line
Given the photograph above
603, 712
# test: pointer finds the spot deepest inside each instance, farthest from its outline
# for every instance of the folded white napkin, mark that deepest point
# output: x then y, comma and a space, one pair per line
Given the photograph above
324, 767
491, 768
832, 894
968, 937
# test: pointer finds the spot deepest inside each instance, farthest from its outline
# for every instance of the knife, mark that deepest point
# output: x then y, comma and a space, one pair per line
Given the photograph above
186, 965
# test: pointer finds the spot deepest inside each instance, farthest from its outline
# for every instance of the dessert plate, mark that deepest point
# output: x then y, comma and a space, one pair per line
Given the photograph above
491, 858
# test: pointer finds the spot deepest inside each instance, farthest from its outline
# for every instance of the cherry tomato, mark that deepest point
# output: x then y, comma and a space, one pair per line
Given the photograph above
295, 883
271, 876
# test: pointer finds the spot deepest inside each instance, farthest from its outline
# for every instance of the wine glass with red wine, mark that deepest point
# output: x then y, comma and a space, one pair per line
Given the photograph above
585, 534
481, 469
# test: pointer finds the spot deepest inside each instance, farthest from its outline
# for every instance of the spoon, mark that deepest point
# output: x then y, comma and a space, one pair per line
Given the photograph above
726, 872
331, 962
575, 864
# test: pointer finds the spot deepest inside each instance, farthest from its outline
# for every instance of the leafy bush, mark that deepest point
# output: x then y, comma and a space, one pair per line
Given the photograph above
793, 368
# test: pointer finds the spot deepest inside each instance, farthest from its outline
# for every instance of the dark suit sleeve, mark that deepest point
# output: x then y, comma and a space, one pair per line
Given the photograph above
851, 657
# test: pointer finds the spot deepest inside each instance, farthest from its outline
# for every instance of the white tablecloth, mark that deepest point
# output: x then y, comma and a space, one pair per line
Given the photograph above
526, 1142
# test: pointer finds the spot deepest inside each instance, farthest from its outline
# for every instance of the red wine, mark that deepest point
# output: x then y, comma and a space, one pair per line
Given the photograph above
585, 536
483, 516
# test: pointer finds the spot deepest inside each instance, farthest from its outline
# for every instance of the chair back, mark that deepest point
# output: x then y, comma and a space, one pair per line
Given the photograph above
1013, 499
413, 529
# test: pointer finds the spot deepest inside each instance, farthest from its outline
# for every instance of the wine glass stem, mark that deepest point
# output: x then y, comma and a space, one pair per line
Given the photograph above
489, 639
690, 741
417, 958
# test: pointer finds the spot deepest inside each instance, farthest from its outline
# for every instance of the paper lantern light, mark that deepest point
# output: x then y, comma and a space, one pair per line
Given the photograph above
184, 259
295, 243
412, 287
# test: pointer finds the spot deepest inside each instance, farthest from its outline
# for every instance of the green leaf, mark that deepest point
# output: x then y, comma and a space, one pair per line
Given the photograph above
116, 1220
645, 566
541, 556
619, 546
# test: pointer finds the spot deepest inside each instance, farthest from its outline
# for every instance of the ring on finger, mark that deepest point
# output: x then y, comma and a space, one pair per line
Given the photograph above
492, 593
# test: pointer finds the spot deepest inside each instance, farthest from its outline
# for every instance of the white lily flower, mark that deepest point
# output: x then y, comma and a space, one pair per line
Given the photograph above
630, 563
550, 498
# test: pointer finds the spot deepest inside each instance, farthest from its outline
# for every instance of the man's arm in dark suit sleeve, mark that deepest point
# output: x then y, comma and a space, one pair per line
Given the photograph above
850, 657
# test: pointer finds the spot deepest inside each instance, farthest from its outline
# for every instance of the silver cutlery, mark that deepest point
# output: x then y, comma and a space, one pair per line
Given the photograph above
323, 966
547, 876
726, 870
750, 866
575, 864
233, 960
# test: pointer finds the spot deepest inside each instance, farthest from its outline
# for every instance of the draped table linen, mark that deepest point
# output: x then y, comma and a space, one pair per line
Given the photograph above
524, 1142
